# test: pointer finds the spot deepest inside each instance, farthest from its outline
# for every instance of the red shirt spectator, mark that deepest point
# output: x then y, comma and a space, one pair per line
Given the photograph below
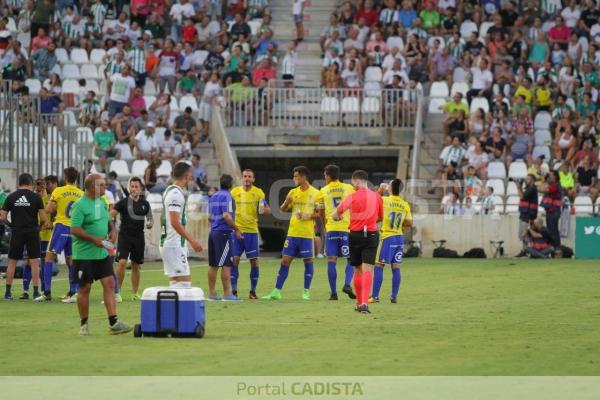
264, 71
559, 32
189, 34
369, 13
366, 208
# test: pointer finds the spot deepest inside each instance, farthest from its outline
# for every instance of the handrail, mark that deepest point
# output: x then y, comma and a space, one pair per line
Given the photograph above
416, 153
228, 160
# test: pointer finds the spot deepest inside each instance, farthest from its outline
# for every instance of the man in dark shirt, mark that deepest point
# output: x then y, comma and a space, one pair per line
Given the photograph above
528, 207
27, 209
590, 14
134, 211
240, 27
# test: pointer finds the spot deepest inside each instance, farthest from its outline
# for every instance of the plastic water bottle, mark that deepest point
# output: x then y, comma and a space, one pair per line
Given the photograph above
261, 206
110, 246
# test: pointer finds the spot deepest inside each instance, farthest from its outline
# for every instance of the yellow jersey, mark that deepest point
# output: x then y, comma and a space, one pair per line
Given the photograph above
246, 207
395, 212
305, 202
64, 197
332, 196
45, 234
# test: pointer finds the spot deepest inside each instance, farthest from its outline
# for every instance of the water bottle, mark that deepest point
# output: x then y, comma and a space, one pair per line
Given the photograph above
261, 206
110, 246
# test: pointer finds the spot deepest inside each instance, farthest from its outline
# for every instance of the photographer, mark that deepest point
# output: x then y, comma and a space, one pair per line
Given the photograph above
540, 243
528, 207
552, 203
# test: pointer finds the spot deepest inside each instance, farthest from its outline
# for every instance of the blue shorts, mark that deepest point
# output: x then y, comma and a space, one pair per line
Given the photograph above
61, 240
220, 249
298, 18
298, 247
391, 250
247, 244
336, 244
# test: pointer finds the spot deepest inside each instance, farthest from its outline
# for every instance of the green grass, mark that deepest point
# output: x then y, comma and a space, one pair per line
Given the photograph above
492, 317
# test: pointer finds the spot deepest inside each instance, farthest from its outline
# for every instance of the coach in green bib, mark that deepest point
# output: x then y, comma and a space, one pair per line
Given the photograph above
90, 225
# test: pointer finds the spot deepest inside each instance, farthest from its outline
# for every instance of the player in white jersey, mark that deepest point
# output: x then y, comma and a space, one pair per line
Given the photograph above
174, 236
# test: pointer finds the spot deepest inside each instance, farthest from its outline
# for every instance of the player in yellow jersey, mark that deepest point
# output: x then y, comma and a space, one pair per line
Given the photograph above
302, 202
396, 217
249, 203
60, 202
336, 239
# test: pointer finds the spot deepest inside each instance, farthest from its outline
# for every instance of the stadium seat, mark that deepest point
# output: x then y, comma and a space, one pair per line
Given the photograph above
511, 189
150, 89
61, 55
138, 168
542, 120
370, 110
541, 151
372, 89
499, 203
11, 25
483, 29
496, 169
174, 105
583, 205
439, 89
597, 207
459, 75
571, 103
90, 71
165, 169
466, 28
97, 55
79, 56
459, 87
330, 108
25, 39
432, 40
512, 204
91, 84
34, 86
149, 100
188, 101
351, 109
172, 116
70, 71
497, 185
480, 102
126, 153
70, 86
85, 135
199, 57
543, 137
434, 105
121, 168
254, 25
395, 41
154, 198
476, 203
373, 74
70, 119
517, 170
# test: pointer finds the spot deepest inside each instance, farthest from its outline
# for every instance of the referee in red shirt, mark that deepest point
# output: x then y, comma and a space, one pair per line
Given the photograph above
366, 208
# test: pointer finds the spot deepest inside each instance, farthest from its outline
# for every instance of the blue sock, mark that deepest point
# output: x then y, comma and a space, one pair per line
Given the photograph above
254, 274
117, 288
73, 285
308, 273
235, 273
282, 276
332, 276
42, 284
48, 268
349, 275
396, 279
377, 281
26, 278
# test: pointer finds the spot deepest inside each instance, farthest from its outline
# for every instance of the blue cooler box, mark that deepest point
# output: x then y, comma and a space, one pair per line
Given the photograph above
172, 311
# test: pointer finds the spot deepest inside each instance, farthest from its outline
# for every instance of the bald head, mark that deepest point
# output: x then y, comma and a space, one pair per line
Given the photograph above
94, 186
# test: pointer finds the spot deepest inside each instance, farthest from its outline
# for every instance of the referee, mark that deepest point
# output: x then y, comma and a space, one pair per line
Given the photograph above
90, 223
26, 209
366, 208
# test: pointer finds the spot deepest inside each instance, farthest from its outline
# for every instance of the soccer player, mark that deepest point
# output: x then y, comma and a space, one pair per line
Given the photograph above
336, 239
90, 226
303, 202
249, 203
60, 202
174, 236
134, 211
366, 208
396, 216
220, 241
26, 210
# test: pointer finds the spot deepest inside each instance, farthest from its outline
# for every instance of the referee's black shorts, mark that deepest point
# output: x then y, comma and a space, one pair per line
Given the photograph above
88, 271
24, 239
363, 249
131, 247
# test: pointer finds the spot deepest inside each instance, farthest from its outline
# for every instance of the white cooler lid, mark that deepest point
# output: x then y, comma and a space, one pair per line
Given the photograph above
185, 294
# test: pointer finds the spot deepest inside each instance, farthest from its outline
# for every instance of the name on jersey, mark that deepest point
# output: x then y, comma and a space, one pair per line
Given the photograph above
67, 194
336, 190
395, 204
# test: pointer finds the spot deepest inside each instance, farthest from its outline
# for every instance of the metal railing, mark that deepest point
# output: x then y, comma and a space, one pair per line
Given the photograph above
228, 160
40, 144
416, 149
319, 107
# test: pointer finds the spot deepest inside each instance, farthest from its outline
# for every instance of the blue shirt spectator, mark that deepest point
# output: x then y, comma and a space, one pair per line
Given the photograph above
219, 203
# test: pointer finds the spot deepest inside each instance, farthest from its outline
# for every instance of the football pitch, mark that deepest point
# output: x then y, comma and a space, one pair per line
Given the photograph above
453, 317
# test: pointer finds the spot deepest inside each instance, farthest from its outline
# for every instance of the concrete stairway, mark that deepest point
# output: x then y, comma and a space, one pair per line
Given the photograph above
429, 159
208, 160
316, 16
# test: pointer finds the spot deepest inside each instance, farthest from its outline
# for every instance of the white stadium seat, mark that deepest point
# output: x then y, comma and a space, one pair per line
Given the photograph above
34, 86
61, 55
434, 105
542, 120
511, 189
459, 75
395, 41
496, 169
70, 71
480, 102
597, 205
467, 27
512, 205
517, 170
373, 74
138, 168
497, 185
351, 109
91, 84
174, 105
79, 56
583, 205
372, 89
330, 108
90, 71
483, 28
543, 137
188, 101
121, 168
165, 169
154, 198
97, 55
499, 203
459, 87
541, 151
370, 110
439, 89
70, 86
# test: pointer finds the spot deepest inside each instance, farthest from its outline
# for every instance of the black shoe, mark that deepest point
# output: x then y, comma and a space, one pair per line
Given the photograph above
234, 292
348, 290
523, 253
8, 297
24, 296
363, 309
333, 296
393, 300
252, 295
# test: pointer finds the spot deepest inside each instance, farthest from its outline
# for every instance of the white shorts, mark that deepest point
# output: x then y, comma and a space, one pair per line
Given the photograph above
204, 112
175, 261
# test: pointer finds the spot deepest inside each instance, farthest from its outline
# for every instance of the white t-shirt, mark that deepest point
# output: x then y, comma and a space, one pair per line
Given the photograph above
179, 11
173, 200
443, 4
481, 79
297, 9
388, 77
146, 143
571, 16
121, 88
210, 91
166, 145
351, 78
